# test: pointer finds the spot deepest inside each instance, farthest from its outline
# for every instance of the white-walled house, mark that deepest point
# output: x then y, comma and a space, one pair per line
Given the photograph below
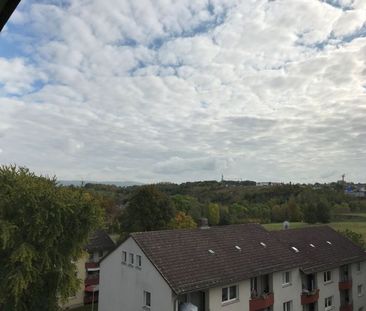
234, 268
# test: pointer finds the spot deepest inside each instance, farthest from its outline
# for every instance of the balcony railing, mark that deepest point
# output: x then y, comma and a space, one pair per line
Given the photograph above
345, 284
91, 265
346, 307
262, 302
309, 297
89, 299
92, 280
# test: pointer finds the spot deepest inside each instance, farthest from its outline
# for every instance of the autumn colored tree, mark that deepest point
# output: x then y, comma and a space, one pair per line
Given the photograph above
43, 229
182, 221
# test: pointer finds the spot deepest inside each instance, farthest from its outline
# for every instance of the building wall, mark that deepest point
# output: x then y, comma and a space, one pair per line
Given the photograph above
329, 289
284, 293
78, 299
242, 304
121, 286
358, 278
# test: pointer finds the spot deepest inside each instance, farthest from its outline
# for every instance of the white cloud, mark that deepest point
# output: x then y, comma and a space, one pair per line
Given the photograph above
152, 90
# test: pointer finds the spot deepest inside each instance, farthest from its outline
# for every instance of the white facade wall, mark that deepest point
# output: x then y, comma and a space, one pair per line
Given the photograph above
122, 287
358, 278
328, 289
242, 304
284, 293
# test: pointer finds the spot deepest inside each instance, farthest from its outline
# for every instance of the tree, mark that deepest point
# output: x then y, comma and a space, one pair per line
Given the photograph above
354, 237
213, 213
43, 229
323, 211
189, 205
148, 209
182, 221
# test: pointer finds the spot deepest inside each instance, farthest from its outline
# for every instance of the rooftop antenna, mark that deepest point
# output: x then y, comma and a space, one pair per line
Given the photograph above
222, 177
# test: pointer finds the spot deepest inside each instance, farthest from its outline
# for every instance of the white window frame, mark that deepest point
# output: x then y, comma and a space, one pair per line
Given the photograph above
227, 289
147, 302
138, 261
287, 306
328, 303
327, 276
358, 267
131, 259
124, 257
285, 281
360, 290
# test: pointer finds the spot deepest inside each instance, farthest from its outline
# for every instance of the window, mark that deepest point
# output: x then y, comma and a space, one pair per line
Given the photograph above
138, 260
229, 293
124, 257
286, 278
327, 276
328, 303
287, 306
359, 290
147, 299
131, 259
358, 267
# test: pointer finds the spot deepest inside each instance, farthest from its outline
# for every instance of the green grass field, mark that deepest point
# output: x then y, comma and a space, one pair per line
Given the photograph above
356, 226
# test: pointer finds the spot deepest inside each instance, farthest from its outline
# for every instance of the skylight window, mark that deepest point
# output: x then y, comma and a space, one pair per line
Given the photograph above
238, 247
329, 242
312, 245
295, 249
211, 251
263, 244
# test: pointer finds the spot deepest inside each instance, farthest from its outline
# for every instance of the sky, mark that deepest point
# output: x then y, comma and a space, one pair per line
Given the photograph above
162, 90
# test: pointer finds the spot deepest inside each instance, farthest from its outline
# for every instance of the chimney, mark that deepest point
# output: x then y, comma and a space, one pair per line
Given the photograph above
203, 223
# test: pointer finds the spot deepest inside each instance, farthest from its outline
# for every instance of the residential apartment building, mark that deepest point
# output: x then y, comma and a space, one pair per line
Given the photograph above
234, 268
99, 245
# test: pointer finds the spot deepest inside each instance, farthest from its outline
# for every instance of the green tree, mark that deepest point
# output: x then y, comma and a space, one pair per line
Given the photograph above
148, 209
293, 211
213, 213
182, 221
354, 237
323, 211
189, 205
43, 229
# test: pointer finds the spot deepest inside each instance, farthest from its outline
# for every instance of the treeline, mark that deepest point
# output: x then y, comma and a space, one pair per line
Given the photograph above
227, 202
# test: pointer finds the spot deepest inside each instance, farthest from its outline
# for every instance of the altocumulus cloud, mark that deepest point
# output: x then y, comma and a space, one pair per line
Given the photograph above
184, 90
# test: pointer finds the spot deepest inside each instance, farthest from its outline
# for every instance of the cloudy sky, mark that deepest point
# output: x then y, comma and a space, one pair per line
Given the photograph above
163, 90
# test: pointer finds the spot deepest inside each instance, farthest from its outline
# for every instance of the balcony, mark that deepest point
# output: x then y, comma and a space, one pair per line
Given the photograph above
89, 298
346, 307
92, 280
345, 284
310, 297
91, 265
262, 302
